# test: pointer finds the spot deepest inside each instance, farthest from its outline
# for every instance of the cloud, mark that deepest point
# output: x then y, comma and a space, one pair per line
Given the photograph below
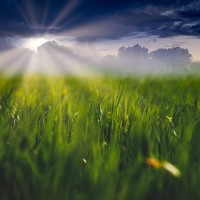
90, 20
128, 59
176, 56
109, 62
109, 59
55, 58
139, 59
5, 44
148, 20
7, 1
61, 49
135, 57
51, 57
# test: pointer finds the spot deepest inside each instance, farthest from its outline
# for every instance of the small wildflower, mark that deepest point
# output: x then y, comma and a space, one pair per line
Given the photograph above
169, 118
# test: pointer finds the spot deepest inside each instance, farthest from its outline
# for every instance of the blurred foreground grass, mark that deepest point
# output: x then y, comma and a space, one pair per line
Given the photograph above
103, 138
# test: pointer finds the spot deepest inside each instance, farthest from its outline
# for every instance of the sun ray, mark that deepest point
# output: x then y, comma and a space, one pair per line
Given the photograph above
8, 55
32, 13
23, 65
60, 64
45, 62
64, 67
24, 16
68, 8
46, 10
32, 65
15, 61
68, 63
68, 22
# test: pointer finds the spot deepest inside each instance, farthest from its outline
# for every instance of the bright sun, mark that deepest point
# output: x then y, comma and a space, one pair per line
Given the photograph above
33, 43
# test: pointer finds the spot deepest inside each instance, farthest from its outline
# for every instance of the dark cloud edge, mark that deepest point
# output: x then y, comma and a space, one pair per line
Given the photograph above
153, 23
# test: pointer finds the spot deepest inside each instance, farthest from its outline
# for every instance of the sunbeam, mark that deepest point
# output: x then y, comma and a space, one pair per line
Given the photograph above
55, 59
71, 63
66, 11
21, 11
8, 56
15, 61
69, 22
64, 62
23, 63
46, 63
32, 12
46, 10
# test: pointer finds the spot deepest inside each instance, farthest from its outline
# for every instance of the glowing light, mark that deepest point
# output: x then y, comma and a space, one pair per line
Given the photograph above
33, 43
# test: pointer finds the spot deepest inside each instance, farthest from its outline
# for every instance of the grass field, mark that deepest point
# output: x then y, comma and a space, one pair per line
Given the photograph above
103, 138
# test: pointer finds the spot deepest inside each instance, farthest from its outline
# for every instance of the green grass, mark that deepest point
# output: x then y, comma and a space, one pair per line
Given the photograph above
83, 138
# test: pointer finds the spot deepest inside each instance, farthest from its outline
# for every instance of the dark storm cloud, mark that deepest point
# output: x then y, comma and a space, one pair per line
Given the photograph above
5, 44
6, 1
100, 19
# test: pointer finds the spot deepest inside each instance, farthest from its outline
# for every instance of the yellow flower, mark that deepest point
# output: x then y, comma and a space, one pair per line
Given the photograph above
169, 118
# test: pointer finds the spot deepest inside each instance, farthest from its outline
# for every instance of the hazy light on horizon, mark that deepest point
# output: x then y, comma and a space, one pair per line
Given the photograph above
34, 43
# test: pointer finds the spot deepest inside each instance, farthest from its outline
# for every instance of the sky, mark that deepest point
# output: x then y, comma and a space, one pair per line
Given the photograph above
86, 33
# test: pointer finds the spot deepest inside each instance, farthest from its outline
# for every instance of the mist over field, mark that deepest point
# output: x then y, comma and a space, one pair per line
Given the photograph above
51, 57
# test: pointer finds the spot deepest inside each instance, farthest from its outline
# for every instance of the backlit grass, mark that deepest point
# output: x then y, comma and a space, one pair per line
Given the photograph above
101, 138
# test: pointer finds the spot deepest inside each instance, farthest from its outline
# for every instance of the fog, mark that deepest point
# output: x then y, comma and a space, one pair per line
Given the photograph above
51, 57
